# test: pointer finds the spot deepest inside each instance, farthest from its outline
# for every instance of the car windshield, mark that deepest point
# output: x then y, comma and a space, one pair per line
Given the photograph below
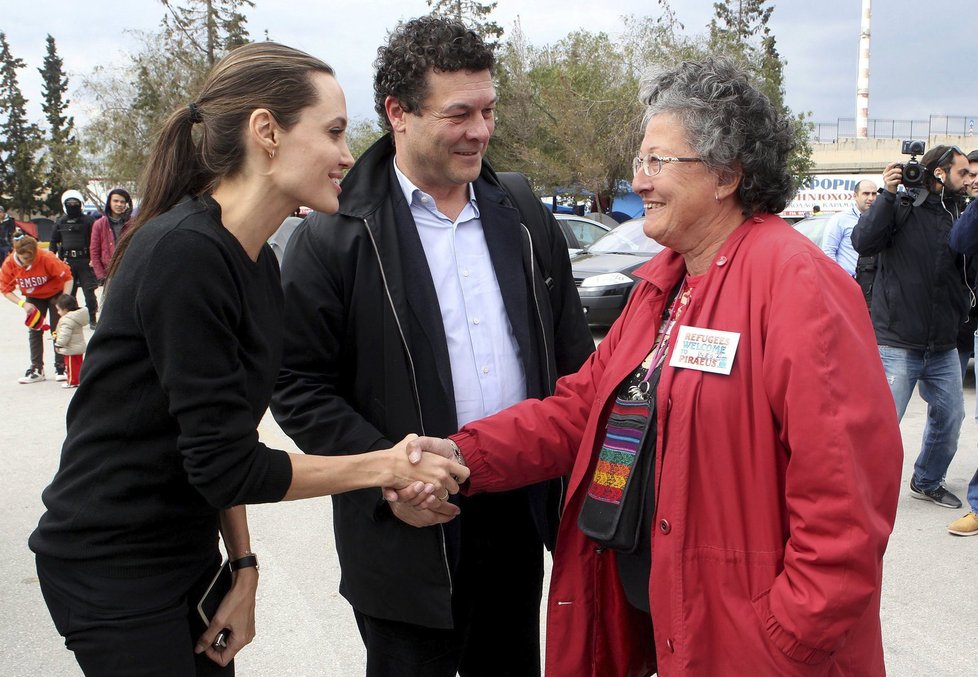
628, 238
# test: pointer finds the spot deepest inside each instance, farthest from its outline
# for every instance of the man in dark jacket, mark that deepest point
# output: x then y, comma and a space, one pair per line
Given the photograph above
920, 299
70, 240
428, 301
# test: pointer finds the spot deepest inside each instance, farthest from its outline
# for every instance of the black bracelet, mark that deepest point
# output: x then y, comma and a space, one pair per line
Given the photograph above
249, 560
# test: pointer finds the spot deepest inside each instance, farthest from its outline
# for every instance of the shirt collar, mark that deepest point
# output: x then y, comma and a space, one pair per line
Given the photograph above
411, 191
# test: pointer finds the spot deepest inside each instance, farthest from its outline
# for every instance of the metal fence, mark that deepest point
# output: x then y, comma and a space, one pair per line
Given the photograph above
937, 125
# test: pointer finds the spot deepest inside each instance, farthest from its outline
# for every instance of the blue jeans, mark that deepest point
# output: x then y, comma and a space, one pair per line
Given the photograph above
973, 493
938, 376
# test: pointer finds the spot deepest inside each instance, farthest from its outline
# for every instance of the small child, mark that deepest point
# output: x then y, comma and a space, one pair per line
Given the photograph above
70, 339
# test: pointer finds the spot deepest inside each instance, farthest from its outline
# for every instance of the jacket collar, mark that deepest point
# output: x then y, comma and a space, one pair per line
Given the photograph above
668, 266
360, 196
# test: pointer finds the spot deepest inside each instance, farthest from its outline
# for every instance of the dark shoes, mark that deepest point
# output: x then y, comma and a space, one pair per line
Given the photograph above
938, 495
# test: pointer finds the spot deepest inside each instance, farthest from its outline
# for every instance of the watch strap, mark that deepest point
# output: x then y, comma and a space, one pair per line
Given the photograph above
249, 560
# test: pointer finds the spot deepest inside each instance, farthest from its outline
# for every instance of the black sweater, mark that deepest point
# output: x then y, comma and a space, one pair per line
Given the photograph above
162, 429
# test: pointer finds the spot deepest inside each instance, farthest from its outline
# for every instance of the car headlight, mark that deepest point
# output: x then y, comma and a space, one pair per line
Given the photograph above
605, 280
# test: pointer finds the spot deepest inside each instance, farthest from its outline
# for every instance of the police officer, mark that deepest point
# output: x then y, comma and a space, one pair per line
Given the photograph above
70, 241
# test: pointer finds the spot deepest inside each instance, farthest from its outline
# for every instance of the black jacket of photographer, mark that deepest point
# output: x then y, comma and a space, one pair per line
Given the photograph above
920, 297
366, 362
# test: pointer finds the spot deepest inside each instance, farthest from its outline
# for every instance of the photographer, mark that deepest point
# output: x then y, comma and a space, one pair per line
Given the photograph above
920, 299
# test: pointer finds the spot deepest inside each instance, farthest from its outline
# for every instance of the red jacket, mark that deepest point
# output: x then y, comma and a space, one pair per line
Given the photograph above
102, 245
776, 485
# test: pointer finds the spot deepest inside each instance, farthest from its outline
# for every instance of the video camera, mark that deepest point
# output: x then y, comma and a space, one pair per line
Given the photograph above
914, 173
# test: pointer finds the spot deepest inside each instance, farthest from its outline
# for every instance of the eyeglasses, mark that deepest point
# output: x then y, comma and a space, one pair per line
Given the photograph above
652, 164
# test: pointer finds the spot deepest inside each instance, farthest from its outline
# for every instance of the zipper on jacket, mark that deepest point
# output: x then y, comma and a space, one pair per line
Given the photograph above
551, 377
414, 384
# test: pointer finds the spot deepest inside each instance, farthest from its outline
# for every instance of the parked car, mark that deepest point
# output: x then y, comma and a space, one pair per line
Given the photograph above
603, 271
580, 232
813, 227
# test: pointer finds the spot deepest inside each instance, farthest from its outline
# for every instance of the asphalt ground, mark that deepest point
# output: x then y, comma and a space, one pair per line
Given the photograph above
306, 629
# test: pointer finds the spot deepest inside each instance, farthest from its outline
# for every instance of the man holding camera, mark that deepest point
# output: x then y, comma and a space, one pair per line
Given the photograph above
920, 299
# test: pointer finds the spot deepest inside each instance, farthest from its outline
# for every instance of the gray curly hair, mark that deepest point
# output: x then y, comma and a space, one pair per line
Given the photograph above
730, 124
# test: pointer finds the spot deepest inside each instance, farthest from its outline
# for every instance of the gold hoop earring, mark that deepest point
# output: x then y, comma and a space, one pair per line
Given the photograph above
271, 155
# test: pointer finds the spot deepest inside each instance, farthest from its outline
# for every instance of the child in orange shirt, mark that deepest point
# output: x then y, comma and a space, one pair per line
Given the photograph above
41, 278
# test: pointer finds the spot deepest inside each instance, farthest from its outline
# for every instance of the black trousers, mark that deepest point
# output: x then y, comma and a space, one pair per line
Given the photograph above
496, 595
35, 339
83, 276
129, 627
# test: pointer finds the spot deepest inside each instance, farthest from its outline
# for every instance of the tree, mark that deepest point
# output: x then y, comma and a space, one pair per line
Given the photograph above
19, 139
61, 163
568, 114
166, 72
740, 30
361, 134
212, 27
473, 14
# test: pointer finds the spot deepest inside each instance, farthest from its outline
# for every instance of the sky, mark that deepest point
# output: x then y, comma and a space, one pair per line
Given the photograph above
914, 73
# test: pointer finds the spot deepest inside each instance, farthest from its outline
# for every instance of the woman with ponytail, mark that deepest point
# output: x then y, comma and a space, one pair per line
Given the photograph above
162, 449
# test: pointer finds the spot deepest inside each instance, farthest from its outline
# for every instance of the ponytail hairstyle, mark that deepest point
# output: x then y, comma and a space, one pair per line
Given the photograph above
187, 162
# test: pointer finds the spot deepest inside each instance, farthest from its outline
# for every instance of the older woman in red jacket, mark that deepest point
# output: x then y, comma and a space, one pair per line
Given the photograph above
733, 462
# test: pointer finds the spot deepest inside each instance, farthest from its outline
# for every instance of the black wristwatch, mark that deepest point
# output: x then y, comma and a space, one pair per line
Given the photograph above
248, 560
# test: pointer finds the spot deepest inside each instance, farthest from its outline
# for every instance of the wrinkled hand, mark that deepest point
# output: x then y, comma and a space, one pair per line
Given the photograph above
237, 613
434, 445
435, 473
419, 494
439, 513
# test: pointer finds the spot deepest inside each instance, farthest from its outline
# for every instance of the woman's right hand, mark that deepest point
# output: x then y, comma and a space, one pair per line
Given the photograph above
439, 473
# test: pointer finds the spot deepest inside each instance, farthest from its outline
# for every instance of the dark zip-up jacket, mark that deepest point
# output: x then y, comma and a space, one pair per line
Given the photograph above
366, 362
920, 298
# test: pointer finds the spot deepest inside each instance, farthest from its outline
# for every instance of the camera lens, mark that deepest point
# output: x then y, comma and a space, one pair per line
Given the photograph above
913, 174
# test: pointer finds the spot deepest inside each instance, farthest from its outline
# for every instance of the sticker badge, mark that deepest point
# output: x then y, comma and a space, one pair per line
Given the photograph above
705, 350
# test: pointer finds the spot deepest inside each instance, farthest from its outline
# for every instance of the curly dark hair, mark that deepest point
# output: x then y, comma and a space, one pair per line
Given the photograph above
418, 46
729, 123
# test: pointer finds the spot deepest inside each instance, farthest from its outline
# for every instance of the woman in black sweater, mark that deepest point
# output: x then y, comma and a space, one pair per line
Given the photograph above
162, 448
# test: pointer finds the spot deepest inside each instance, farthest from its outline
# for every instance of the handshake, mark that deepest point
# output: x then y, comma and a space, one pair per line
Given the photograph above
417, 497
